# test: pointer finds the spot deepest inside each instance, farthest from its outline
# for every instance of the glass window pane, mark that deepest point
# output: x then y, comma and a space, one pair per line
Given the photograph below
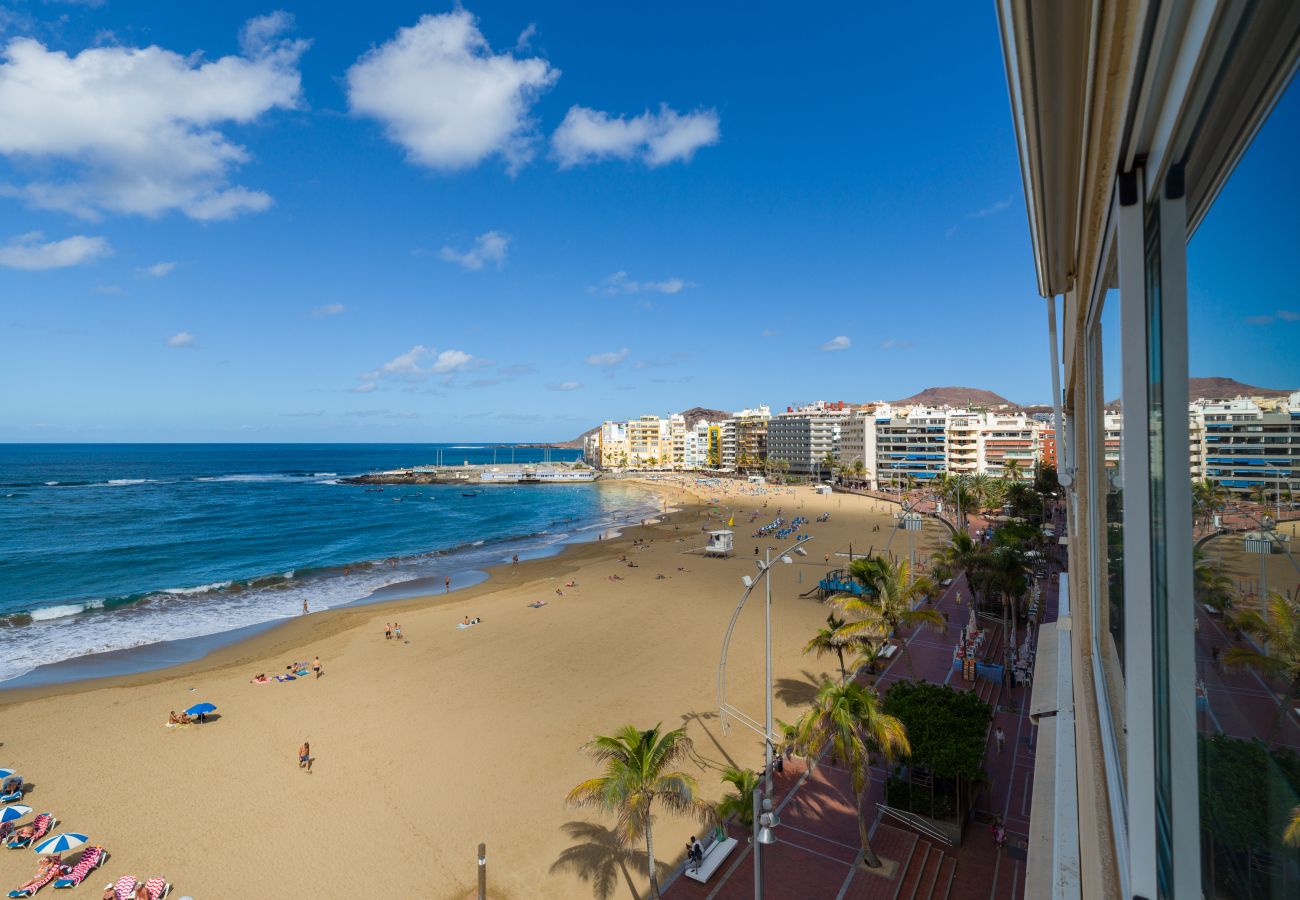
1244, 422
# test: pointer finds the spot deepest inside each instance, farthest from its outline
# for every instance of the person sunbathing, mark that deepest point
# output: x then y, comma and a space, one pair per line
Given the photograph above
42, 874
537, 604
185, 719
571, 584
12, 783
25, 833
466, 622
173, 719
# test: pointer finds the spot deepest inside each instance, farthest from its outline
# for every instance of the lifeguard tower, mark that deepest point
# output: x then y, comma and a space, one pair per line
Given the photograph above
721, 543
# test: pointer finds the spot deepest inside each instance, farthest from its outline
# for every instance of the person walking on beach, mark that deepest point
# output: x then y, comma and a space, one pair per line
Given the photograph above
304, 606
388, 631
397, 631
1000, 737
315, 667
446, 583
304, 757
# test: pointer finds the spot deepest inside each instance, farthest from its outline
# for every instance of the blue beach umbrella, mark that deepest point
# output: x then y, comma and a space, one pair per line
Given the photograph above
14, 813
60, 843
5, 773
200, 709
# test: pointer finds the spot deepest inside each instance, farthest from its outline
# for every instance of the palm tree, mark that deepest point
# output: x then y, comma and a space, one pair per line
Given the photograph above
741, 803
829, 640
859, 468
978, 485
1291, 836
1210, 583
960, 554
1011, 469
890, 602
1279, 634
638, 771
849, 719
1006, 571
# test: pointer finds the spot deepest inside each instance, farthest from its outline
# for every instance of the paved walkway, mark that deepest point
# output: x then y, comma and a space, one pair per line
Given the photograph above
817, 854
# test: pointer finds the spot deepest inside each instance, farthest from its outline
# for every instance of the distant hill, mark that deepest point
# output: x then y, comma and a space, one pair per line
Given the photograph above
954, 396
1227, 388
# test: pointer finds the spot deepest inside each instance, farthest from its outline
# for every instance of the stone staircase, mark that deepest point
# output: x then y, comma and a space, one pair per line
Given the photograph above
928, 875
924, 871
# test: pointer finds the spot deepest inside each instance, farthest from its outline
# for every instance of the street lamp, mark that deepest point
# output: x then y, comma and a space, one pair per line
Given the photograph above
767, 820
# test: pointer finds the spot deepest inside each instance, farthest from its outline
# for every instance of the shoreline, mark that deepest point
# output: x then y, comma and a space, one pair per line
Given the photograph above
178, 658
442, 728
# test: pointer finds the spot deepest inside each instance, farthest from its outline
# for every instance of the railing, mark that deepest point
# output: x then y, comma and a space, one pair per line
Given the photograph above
911, 820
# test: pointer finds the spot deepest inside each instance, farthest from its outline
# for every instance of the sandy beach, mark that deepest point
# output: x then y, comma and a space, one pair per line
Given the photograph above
426, 746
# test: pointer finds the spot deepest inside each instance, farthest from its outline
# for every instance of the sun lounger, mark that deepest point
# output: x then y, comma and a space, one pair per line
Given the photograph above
16, 794
157, 888
43, 823
50, 874
91, 859
124, 889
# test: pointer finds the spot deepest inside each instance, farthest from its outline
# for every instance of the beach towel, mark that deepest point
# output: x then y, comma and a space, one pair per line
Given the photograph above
50, 874
157, 888
73, 876
463, 625
285, 678
124, 888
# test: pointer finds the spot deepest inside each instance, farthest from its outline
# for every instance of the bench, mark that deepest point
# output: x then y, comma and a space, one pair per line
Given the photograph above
715, 853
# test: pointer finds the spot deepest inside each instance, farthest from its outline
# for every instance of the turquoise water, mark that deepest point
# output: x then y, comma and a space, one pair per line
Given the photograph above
108, 547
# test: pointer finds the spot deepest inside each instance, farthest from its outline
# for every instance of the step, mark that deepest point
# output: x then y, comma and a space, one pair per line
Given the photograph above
911, 876
943, 884
929, 875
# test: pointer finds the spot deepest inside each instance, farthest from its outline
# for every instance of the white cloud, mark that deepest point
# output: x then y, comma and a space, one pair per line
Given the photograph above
138, 130
158, 269
526, 37
606, 360
446, 98
181, 339
363, 388
837, 343
489, 247
894, 344
409, 365
329, 309
589, 135
565, 386
990, 210
619, 283
30, 251
452, 361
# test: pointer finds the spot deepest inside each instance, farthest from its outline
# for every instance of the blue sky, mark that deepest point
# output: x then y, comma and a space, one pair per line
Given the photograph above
510, 221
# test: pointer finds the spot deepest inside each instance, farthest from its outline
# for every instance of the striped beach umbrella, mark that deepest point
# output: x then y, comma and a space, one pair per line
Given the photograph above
5, 773
14, 813
60, 843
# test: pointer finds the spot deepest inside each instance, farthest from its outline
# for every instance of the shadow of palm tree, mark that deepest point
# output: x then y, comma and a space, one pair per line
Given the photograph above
797, 691
599, 858
700, 760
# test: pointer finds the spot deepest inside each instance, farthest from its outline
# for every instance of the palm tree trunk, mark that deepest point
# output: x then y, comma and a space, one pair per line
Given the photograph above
650, 856
844, 673
869, 858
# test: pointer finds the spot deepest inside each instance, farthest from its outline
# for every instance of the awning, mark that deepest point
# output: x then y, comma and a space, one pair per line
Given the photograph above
1042, 697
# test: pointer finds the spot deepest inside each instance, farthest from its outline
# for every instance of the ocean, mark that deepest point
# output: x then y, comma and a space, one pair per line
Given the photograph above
116, 546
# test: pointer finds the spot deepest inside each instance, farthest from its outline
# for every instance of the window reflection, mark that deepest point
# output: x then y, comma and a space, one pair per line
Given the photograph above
1245, 445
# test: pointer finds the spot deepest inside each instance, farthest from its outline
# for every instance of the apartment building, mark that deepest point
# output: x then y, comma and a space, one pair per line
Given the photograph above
806, 439
911, 444
1007, 443
646, 441
965, 446
1248, 445
750, 429
858, 443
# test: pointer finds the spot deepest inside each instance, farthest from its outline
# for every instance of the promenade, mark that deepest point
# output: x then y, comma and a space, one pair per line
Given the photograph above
818, 855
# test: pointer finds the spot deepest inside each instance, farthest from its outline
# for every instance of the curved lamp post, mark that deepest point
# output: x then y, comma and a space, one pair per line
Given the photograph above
767, 820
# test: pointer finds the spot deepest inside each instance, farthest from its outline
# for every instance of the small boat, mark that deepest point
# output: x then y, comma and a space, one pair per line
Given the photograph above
470, 493
374, 490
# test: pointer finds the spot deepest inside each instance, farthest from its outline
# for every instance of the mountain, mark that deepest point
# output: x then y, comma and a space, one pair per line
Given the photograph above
696, 413
1226, 389
954, 396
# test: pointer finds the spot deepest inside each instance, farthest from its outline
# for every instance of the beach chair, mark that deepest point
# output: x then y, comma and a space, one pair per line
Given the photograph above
92, 858
50, 874
16, 794
157, 888
124, 889
43, 823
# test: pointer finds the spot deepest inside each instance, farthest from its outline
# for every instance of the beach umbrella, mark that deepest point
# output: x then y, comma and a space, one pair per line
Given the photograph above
14, 813
5, 773
60, 843
200, 709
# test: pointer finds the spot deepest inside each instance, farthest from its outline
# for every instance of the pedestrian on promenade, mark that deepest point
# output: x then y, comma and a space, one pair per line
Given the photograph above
999, 833
1000, 737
